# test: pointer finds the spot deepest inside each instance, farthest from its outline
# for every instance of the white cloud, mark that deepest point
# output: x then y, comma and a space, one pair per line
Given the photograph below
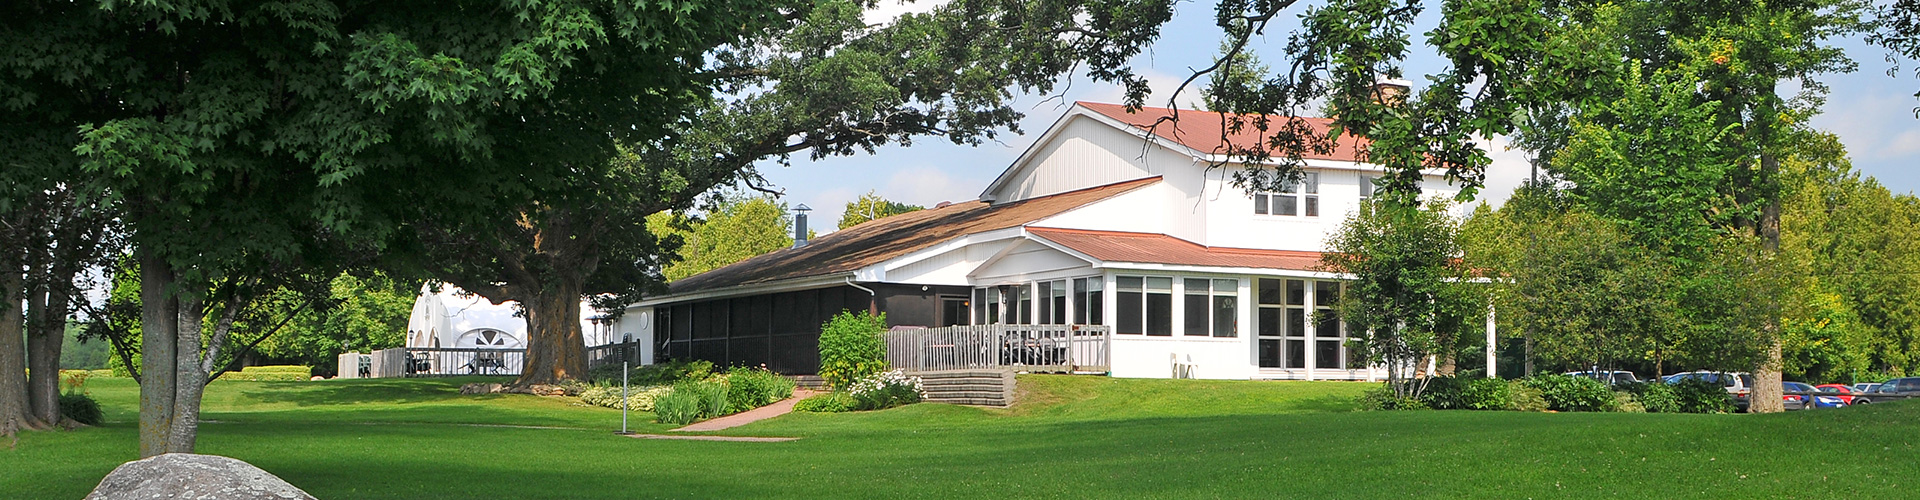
1508, 171
888, 10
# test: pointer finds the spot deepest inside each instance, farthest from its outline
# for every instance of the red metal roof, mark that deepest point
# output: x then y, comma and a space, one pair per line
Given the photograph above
1153, 248
1202, 130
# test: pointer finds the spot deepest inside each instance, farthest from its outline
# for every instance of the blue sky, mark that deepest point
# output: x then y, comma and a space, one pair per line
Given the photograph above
1871, 112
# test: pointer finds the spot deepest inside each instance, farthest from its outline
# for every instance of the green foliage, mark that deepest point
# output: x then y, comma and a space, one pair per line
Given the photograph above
1656, 397
270, 374
1700, 396
1410, 296
80, 407
733, 229
678, 407
883, 390
639, 398
1570, 393
1522, 396
871, 206
851, 348
831, 402
1445, 393
749, 388
1626, 402
1487, 394
667, 373
1384, 398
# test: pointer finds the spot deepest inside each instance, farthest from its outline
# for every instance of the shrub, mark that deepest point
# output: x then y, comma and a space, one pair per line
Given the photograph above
80, 407
1626, 402
749, 388
1570, 393
677, 407
851, 348
1383, 398
832, 402
1524, 397
270, 374
655, 374
1444, 393
1487, 394
638, 398
1659, 398
884, 390
1700, 396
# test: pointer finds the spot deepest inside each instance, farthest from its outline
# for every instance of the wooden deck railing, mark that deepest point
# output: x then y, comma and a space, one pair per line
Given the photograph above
613, 354
1033, 348
449, 361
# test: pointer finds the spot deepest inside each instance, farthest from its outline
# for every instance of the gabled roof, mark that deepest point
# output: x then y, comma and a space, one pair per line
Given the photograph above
1201, 130
874, 242
1151, 248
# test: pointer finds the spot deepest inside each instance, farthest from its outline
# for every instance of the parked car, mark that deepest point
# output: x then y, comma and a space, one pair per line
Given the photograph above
1865, 387
1842, 391
1739, 384
1808, 397
1899, 385
1612, 378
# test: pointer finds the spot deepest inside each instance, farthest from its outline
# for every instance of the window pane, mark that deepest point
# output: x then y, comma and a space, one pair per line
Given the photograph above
1129, 311
1326, 293
1225, 320
1296, 354
1080, 299
1197, 286
1226, 286
1286, 205
1328, 355
1366, 186
1313, 206
1269, 322
979, 305
1196, 314
1045, 305
1096, 313
1326, 325
1296, 292
1313, 183
993, 305
1129, 283
1260, 204
1269, 353
1159, 284
1160, 314
1296, 322
1269, 291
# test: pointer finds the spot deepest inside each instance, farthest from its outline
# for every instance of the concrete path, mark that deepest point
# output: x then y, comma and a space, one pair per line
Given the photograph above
782, 407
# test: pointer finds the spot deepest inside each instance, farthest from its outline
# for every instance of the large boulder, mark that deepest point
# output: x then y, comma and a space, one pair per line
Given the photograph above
188, 476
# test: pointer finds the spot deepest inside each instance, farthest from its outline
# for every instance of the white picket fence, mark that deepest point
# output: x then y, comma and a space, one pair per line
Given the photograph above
1031, 348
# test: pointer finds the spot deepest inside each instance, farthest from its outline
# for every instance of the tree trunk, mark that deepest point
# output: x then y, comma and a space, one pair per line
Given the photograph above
1767, 388
14, 408
189, 380
556, 349
44, 341
159, 316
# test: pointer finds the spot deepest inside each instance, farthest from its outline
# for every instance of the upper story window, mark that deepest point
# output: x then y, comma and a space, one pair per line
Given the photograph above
1366, 187
1294, 199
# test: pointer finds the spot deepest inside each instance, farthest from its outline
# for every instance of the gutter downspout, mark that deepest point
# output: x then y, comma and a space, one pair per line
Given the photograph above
873, 298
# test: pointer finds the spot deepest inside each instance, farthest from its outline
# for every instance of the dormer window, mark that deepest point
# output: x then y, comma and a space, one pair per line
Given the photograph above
1293, 200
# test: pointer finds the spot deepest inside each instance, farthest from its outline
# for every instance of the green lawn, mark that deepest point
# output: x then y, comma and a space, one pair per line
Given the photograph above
1072, 437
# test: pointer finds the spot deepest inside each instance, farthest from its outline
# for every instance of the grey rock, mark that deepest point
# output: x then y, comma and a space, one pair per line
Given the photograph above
187, 476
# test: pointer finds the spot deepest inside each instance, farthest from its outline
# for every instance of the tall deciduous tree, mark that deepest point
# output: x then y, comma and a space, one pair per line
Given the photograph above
822, 82
1411, 295
733, 229
872, 206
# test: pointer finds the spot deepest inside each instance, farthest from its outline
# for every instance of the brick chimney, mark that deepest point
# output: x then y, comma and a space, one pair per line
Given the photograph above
1391, 91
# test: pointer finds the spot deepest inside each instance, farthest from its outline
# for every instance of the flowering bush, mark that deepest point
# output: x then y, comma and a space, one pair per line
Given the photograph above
886, 390
638, 398
851, 348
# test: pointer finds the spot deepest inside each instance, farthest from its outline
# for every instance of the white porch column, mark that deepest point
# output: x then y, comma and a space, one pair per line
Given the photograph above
1312, 343
1491, 355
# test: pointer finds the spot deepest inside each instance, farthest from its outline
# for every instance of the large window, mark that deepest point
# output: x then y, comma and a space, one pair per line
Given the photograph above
1088, 310
1267, 324
1281, 322
1209, 307
1145, 305
1294, 199
1053, 302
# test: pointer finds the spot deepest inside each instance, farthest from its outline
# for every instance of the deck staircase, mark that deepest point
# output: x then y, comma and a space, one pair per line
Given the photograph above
990, 387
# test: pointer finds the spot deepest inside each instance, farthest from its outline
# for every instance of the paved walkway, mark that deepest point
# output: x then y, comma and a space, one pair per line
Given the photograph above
687, 437
782, 407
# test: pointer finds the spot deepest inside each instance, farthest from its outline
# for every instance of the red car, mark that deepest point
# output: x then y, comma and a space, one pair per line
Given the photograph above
1839, 391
